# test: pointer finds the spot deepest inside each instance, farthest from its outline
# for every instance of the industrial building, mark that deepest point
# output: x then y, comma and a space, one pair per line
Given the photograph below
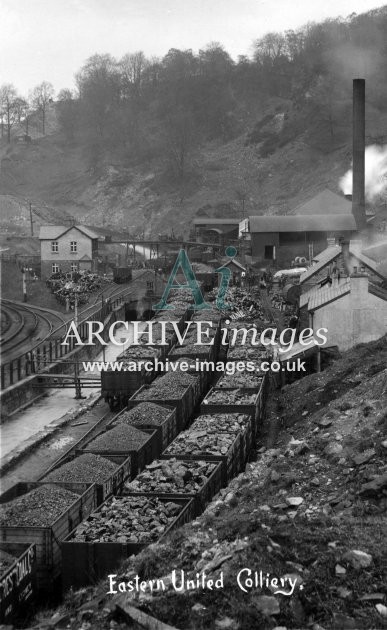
282, 238
219, 231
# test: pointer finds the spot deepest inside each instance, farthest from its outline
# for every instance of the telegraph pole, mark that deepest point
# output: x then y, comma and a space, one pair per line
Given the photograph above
78, 389
31, 221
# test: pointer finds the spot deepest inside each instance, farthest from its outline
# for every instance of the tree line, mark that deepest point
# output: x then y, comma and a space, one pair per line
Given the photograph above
137, 108
17, 109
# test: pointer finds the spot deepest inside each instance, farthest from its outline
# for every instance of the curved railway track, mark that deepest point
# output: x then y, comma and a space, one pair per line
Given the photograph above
27, 328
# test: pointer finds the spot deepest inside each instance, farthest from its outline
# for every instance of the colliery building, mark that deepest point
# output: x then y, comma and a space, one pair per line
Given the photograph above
220, 231
280, 239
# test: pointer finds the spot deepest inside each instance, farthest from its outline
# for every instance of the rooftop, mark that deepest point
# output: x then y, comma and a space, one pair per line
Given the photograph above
53, 232
328, 202
303, 223
322, 296
327, 256
325, 202
206, 221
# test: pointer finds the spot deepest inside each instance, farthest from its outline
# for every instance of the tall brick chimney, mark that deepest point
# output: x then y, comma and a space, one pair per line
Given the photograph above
358, 138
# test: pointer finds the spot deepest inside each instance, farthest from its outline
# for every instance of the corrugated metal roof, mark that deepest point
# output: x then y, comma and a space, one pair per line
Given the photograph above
324, 295
324, 258
53, 232
325, 202
302, 223
304, 298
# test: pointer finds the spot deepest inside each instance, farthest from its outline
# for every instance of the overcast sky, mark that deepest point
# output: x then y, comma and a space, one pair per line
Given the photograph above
50, 39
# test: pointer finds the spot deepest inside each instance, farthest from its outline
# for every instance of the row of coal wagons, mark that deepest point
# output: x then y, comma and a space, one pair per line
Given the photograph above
198, 459
139, 363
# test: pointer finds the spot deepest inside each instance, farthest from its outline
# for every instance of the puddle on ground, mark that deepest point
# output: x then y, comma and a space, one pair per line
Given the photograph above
61, 442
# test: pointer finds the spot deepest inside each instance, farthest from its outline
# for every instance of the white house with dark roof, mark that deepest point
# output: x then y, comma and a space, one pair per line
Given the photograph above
353, 311
342, 292
67, 249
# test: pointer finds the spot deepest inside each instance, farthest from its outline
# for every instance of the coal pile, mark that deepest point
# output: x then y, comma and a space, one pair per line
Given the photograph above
218, 422
87, 468
172, 476
167, 387
145, 413
240, 379
79, 287
249, 353
195, 442
122, 438
39, 508
128, 520
229, 397
134, 353
245, 305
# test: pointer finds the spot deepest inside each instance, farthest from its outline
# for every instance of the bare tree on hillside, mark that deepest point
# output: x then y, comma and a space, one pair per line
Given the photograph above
132, 67
8, 107
41, 96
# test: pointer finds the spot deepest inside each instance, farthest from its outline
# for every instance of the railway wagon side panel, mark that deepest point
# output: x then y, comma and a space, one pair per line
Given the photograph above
47, 538
87, 562
18, 582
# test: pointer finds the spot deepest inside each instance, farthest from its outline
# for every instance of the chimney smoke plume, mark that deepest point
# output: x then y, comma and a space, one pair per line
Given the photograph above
375, 174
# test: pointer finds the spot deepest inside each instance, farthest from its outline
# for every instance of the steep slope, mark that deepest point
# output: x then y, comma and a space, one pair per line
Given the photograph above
225, 179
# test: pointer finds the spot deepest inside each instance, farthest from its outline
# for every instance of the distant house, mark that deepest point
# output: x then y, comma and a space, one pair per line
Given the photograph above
67, 249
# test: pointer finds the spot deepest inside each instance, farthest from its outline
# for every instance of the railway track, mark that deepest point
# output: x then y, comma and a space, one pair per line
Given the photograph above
27, 328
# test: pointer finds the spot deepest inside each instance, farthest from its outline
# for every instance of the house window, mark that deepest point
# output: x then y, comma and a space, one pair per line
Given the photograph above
55, 268
73, 246
149, 285
74, 267
54, 247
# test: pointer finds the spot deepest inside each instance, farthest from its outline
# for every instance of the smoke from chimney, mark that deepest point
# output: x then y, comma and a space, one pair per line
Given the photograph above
375, 174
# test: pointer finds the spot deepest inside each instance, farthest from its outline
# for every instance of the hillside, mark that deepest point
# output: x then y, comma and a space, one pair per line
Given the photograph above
231, 179
310, 505
147, 144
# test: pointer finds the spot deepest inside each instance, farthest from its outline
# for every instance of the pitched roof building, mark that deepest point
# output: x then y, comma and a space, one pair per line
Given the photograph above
67, 249
351, 311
